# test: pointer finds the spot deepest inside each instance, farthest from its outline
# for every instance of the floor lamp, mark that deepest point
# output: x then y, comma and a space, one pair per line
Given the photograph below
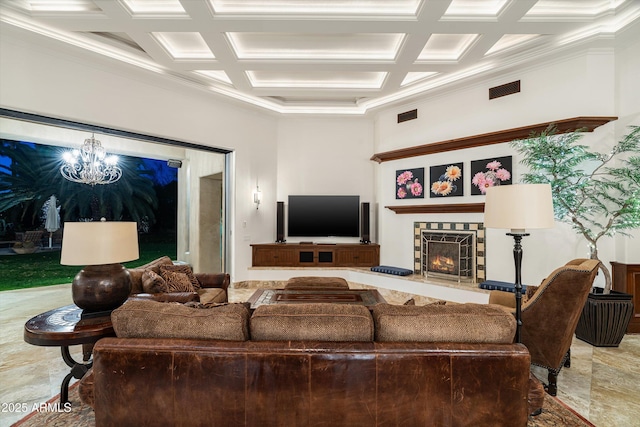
519, 208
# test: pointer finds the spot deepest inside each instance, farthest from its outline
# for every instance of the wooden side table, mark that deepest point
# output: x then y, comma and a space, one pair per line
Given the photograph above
626, 278
63, 327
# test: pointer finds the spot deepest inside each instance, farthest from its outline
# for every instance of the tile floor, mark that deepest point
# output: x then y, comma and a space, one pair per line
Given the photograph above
603, 384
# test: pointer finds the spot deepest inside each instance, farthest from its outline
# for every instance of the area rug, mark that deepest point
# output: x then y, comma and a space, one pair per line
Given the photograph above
554, 414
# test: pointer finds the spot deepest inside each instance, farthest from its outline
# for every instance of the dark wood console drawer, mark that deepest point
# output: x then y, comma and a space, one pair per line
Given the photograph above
269, 257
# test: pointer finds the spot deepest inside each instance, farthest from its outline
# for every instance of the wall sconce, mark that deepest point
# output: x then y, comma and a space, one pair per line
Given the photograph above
257, 197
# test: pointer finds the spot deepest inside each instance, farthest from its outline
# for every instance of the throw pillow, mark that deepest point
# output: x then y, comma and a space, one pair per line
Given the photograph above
153, 283
177, 282
184, 269
136, 273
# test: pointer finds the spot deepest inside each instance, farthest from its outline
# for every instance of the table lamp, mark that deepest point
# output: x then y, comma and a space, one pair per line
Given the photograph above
518, 207
103, 284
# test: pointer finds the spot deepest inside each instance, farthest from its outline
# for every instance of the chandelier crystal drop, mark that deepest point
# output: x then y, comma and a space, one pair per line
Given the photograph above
90, 164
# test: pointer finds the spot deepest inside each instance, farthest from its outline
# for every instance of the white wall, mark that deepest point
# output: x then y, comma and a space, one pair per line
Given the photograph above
580, 85
325, 156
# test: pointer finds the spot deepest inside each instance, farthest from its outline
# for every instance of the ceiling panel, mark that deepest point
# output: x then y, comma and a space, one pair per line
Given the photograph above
184, 45
446, 47
306, 7
154, 7
318, 79
315, 46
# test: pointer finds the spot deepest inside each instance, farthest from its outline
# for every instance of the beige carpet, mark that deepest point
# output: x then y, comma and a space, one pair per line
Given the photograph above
554, 414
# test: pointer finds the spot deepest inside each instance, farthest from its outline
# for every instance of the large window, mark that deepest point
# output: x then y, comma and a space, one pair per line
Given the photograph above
199, 196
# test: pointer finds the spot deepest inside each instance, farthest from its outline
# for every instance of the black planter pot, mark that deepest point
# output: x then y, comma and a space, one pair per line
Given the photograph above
605, 318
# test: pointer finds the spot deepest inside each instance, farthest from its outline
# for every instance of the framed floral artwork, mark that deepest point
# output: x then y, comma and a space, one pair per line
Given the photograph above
446, 180
489, 173
410, 183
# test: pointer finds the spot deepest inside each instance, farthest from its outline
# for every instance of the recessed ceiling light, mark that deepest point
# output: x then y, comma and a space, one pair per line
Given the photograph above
184, 45
475, 8
218, 75
550, 8
349, 7
317, 79
446, 47
62, 6
315, 46
511, 40
154, 6
415, 76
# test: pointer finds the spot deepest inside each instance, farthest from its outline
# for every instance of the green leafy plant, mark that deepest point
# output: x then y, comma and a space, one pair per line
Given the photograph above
597, 193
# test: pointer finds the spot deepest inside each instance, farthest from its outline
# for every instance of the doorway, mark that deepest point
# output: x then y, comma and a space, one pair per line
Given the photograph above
211, 224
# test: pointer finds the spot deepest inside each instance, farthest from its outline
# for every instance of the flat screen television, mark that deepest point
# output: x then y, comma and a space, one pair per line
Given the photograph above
324, 216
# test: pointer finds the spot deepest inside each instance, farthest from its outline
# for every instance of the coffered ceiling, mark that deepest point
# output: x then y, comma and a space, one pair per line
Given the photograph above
329, 56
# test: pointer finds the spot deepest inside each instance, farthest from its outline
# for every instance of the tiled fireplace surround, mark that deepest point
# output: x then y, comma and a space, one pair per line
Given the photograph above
476, 228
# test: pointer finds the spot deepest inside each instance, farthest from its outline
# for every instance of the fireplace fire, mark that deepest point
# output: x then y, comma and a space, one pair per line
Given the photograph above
443, 264
449, 255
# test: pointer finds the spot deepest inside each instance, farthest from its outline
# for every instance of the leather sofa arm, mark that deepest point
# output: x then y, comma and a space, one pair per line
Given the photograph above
214, 280
169, 297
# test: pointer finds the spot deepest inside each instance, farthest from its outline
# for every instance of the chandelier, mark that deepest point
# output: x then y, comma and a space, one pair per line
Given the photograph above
90, 164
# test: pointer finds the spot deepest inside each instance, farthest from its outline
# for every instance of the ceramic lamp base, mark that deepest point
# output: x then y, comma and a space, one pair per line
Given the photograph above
101, 287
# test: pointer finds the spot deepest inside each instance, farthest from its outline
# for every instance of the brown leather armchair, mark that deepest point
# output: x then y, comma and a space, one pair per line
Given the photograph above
213, 286
550, 314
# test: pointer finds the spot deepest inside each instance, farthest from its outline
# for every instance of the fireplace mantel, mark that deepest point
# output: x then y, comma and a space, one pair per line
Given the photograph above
439, 208
588, 123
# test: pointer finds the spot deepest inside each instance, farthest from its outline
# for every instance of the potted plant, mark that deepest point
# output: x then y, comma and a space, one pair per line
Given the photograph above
598, 194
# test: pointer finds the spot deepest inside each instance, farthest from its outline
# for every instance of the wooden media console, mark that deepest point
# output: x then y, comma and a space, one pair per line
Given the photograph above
315, 255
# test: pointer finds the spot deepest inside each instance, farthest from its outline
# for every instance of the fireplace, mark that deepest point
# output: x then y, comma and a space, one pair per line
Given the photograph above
449, 255
450, 250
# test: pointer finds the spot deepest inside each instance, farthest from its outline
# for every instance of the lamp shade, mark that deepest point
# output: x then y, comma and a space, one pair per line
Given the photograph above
99, 243
519, 207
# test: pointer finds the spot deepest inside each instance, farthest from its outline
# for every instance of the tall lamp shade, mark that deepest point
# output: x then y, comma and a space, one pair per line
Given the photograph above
519, 207
104, 283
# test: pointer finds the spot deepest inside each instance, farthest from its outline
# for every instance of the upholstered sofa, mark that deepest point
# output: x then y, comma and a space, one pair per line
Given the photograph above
165, 281
309, 365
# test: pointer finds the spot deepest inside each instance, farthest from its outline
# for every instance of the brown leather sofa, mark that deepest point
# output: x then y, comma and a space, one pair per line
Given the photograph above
391, 367
211, 287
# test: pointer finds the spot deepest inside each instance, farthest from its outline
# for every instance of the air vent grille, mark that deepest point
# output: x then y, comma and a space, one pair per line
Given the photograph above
504, 90
407, 115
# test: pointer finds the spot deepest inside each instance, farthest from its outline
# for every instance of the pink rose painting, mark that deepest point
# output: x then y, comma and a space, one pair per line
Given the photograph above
446, 180
489, 173
409, 183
